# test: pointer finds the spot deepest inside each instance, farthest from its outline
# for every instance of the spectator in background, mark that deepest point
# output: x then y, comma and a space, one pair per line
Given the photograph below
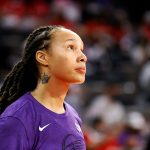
133, 134
102, 137
107, 106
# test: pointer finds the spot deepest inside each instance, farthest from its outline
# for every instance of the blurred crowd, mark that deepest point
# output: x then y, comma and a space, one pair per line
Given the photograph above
114, 102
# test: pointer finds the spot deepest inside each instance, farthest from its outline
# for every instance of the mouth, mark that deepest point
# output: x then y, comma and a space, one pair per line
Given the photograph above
81, 70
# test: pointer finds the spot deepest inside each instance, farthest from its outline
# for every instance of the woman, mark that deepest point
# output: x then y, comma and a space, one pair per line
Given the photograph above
37, 116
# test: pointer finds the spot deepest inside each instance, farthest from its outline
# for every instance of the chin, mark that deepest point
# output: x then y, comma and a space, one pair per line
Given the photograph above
79, 81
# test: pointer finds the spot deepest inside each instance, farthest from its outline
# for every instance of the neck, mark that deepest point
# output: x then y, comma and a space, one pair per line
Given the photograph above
51, 95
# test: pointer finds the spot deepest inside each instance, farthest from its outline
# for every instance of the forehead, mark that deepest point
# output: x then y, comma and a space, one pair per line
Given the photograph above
65, 35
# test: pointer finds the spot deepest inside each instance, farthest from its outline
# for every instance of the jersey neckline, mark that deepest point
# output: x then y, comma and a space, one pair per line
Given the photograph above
43, 109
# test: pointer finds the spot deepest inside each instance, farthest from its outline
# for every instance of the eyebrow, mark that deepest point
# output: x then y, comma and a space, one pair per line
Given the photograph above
70, 40
74, 40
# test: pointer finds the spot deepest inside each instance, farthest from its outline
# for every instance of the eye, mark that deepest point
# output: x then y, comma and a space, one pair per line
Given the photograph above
70, 47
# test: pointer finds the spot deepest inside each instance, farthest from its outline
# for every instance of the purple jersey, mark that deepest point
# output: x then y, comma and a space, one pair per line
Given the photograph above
28, 125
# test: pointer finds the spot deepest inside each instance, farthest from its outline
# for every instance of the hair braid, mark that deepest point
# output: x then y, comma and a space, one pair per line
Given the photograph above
24, 75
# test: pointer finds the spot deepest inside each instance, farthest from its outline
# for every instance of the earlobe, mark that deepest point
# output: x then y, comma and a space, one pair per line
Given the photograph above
41, 57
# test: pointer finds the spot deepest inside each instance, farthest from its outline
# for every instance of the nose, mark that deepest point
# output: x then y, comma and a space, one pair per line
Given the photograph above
82, 57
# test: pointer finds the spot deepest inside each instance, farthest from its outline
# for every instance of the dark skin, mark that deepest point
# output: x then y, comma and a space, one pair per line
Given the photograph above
65, 51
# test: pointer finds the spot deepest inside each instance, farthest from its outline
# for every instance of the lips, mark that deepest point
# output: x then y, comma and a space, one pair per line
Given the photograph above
81, 70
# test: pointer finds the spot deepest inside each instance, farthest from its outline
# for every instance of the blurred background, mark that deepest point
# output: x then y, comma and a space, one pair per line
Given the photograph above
114, 102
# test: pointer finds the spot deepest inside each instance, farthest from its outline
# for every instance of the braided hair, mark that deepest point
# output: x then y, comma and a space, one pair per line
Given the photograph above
24, 76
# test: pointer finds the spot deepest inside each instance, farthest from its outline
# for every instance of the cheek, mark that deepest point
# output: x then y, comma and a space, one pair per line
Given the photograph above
62, 65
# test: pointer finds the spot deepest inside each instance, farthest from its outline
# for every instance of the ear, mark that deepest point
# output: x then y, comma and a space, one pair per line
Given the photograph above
42, 57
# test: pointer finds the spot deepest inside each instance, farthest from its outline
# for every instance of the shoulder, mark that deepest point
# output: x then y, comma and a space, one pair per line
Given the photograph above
70, 109
16, 106
11, 125
11, 131
22, 109
73, 112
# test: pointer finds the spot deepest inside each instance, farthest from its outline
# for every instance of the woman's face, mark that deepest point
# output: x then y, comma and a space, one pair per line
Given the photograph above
66, 60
